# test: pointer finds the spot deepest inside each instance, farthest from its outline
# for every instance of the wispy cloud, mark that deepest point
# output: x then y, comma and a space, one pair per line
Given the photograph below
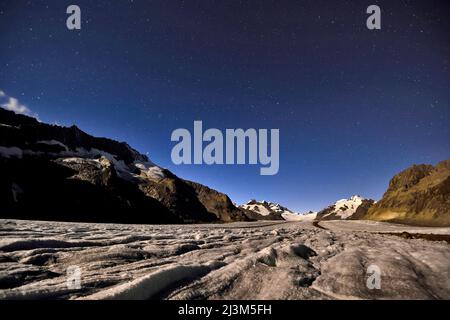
12, 104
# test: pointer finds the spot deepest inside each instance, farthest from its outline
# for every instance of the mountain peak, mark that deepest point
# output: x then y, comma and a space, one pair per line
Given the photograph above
342, 209
267, 210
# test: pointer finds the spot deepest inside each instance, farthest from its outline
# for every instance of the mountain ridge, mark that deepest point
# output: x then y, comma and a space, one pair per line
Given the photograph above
418, 195
344, 209
266, 210
43, 165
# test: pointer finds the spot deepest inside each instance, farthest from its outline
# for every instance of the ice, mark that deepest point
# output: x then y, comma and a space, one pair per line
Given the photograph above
245, 260
148, 286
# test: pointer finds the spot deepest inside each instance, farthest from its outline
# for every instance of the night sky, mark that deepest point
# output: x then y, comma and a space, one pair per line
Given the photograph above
353, 106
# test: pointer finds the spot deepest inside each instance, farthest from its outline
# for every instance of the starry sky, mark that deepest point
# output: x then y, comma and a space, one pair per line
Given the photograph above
353, 106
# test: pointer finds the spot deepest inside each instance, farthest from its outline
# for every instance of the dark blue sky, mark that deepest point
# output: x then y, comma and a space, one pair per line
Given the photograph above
353, 106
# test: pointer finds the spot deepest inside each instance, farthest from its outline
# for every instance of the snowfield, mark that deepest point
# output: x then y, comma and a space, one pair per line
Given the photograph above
345, 208
266, 208
257, 260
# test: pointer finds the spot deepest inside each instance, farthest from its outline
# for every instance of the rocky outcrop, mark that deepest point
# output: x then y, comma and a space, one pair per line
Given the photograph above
179, 197
219, 204
419, 195
63, 174
41, 189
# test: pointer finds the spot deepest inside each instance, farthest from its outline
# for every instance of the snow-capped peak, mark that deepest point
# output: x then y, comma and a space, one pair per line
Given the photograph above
345, 208
266, 208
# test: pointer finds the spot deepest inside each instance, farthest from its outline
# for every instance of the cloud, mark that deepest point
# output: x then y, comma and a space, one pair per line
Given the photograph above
13, 104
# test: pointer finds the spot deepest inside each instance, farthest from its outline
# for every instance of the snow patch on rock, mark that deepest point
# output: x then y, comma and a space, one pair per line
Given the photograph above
345, 208
11, 152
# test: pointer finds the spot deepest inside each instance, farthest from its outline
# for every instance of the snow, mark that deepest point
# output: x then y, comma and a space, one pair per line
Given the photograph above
92, 154
53, 143
245, 260
76, 160
345, 208
299, 217
149, 170
11, 152
381, 227
265, 208
148, 286
258, 208
13, 244
8, 126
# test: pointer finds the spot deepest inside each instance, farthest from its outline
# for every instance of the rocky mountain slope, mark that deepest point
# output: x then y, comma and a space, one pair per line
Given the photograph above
50, 172
63, 174
344, 209
262, 210
418, 195
218, 203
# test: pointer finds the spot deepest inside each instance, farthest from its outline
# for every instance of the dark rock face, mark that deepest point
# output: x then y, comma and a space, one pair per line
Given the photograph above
362, 210
218, 203
179, 197
39, 189
419, 195
255, 216
63, 174
326, 213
